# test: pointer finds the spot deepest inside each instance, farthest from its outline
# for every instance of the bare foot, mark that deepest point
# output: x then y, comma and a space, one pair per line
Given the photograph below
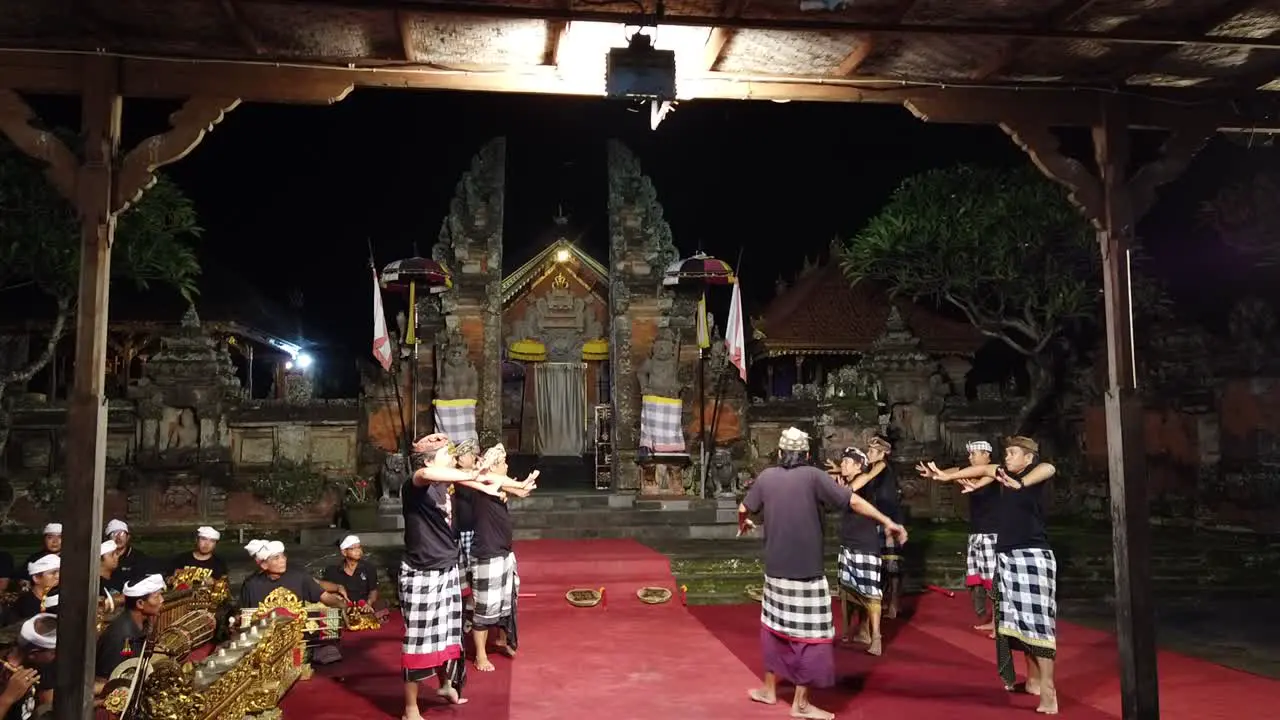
483, 665
988, 627
762, 696
864, 637
504, 649
451, 695
875, 648
415, 715
1032, 687
811, 712
1048, 701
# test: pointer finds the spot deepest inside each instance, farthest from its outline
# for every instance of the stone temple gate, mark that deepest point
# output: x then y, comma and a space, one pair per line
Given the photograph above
478, 325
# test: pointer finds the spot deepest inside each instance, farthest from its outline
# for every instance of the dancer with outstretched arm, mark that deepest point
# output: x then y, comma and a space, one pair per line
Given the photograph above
797, 627
859, 561
1026, 582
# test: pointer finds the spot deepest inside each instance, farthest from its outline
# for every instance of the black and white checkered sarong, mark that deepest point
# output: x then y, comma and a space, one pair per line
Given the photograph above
1027, 589
798, 609
860, 573
494, 585
431, 602
980, 563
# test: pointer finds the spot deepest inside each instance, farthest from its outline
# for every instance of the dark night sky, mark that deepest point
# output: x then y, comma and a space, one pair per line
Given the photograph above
289, 194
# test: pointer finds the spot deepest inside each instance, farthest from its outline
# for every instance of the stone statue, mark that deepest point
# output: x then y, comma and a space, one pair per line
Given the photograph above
660, 373
724, 474
458, 378
394, 472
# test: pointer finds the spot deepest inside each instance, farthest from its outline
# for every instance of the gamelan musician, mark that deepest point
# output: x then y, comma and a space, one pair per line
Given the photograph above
126, 634
201, 556
44, 573
274, 572
26, 680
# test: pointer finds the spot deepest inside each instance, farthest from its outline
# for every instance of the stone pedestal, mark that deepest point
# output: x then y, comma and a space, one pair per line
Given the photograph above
726, 509
663, 477
390, 514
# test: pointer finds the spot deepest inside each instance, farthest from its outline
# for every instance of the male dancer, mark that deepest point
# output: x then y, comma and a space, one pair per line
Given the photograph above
859, 561
795, 613
495, 582
886, 498
1025, 588
983, 518
430, 586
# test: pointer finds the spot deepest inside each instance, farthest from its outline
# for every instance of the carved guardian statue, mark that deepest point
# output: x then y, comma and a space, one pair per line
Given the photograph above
458, 377
660, 373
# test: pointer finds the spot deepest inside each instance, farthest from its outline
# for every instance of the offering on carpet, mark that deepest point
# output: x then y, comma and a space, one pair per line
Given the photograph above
583, 597
653, 595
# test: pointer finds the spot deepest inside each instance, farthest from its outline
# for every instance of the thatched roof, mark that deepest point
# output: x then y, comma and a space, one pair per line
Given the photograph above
725, 48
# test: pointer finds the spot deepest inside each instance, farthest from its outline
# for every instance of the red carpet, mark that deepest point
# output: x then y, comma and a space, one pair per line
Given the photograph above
627, 660
935, 664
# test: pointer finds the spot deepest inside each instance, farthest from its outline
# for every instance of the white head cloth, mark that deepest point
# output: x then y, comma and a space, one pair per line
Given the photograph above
208, 532
28, 631
349, 541
978, 446
254, 546
44, 564
107, 547
144, 587
53, 529
794, 440
116, 526
269, 550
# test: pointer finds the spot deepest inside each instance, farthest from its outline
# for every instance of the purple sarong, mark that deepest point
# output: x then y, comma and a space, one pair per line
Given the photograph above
808, 664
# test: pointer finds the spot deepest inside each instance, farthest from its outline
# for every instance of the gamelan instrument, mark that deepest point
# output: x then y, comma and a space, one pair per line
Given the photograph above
187, 594
321, 623
247, 676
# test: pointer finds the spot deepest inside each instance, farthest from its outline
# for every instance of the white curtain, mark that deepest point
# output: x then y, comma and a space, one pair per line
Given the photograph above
562, 408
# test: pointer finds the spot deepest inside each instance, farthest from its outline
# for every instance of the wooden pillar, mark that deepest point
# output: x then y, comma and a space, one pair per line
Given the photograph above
1126, 454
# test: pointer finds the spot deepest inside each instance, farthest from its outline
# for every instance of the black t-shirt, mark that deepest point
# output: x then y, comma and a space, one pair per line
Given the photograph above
858, 532
258, 586
984, 510
792, 501
463, 510
134, 565
886, 494
359, 584
492, 525
214, 564
121, 640
27, 606
1021, 517
429, 542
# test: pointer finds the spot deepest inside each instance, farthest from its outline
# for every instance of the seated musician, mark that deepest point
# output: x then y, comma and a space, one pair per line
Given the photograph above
44, 573
134, 564
274, 572
357, 576
202, 556
125, 636
26, 682
108, 561
52, 545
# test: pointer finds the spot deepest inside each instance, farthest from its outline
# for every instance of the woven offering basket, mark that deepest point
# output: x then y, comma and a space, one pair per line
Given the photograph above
653, 595
755, 592
583, 597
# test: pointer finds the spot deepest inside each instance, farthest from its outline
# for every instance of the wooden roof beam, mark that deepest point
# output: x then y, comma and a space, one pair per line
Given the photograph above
720, 36
244, 32
866, 42
1064, 13
404, 31
556, 32
1200, 25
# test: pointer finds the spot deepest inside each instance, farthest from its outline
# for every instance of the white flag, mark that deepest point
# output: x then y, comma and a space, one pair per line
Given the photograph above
381, 341
735, 343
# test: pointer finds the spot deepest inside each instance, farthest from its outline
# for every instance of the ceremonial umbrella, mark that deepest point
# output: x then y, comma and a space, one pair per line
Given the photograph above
701, 269
408, 276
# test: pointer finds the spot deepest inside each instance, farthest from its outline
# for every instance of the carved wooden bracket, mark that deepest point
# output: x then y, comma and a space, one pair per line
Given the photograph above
189, 124
1037, 139
1039, 142
16, 121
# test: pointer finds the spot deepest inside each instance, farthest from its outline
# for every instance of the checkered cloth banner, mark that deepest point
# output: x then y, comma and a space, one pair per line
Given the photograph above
660, 429
457, 419
860, 573
431, 601
1028, 583
798, 610
980, 563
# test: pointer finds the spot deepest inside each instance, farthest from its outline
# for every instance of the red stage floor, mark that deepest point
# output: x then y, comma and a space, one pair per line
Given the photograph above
627, 660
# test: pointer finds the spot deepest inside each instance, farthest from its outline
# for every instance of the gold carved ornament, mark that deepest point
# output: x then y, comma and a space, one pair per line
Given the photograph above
360, 617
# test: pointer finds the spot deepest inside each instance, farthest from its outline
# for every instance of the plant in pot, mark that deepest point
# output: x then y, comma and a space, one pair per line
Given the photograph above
360, 504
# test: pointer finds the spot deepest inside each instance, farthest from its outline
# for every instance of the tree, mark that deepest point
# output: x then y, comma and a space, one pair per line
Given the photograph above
40, 249
1004, 247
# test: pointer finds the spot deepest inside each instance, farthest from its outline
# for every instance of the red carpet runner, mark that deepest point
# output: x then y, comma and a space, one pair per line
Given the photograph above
630, 661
